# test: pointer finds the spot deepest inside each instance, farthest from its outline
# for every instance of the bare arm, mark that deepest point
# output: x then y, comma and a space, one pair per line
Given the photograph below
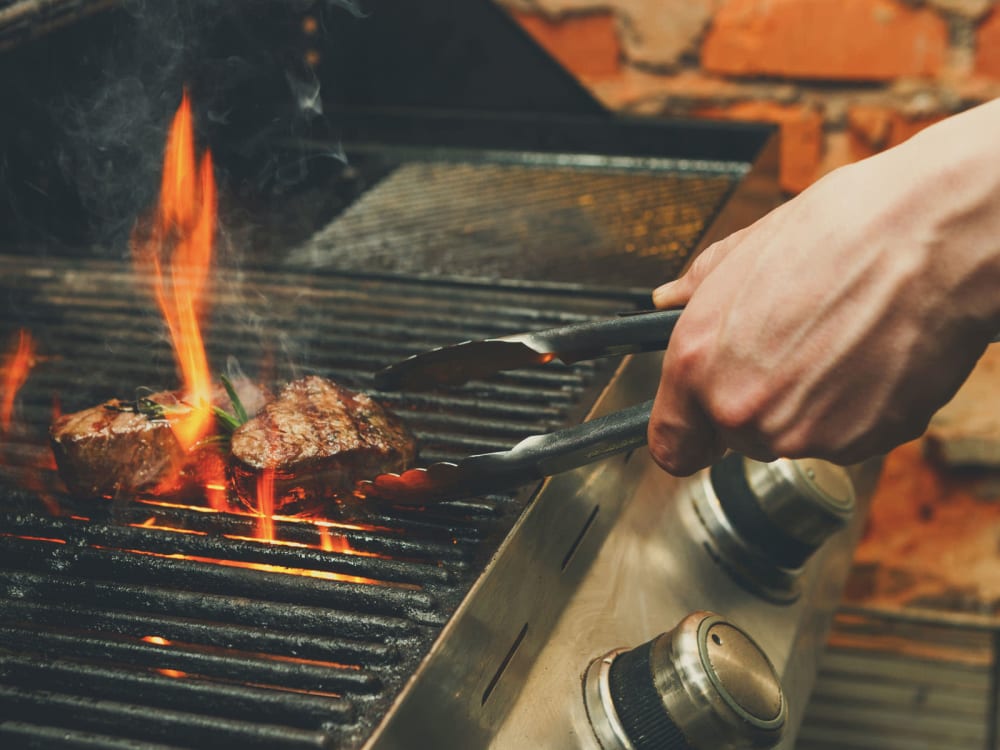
840, 322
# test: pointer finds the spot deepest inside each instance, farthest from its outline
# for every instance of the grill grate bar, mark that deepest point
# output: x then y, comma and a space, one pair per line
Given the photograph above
320, 620
447, 539
163, 725
227, 664
152, 688
380, 532
340, 326
322, 341
292, 297
29, 736
128, 566
168, 542
299, 645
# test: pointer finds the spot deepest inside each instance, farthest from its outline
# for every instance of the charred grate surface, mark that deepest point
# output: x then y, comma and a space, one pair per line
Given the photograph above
171, 625
599, 227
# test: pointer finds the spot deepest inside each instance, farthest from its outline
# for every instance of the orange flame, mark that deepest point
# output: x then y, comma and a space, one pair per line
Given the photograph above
265, 505
15, 374
181, 238
325, 540
333, 542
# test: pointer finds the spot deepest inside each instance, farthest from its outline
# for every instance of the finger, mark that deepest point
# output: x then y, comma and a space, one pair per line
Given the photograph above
682, 439
677, 293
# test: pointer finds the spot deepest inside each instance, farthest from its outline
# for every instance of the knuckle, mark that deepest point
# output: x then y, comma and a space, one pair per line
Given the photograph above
734, 410
686, 362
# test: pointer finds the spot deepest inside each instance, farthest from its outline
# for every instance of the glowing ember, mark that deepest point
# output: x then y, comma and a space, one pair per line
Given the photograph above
172, 673
324, 575
53, 540
157, 640
177, 248
152, 523
14, 374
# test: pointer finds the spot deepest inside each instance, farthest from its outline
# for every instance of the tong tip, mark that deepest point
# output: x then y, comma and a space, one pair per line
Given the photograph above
418, 486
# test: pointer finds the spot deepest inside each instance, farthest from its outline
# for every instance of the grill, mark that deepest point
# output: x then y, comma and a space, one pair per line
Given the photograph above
475, 200
112, 610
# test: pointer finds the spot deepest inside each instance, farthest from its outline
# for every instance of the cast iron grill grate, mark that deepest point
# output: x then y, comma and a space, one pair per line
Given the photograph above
550, 217
162, 624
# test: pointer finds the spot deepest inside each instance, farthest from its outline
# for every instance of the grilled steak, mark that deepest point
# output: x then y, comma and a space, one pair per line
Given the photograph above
119, 448
319, 439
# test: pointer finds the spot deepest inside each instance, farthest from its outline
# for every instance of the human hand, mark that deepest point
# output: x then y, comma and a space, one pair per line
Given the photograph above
838, 324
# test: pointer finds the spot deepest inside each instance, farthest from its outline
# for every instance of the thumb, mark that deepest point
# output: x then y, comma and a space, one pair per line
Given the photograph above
678, 293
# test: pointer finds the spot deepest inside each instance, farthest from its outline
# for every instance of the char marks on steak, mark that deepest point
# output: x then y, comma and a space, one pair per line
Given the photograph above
117, 450
320, 439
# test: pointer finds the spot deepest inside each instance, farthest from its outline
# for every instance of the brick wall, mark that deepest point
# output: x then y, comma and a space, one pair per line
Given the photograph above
843, 78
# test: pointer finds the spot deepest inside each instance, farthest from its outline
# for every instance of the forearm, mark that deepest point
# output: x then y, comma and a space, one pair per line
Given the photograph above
946, 183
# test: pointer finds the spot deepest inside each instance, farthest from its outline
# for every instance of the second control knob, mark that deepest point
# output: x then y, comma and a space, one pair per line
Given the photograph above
704, 685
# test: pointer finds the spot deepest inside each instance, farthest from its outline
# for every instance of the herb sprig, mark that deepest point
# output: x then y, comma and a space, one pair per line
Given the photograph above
230, 422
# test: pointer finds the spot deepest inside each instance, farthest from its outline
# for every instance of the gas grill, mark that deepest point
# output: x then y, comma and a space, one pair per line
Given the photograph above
501, 199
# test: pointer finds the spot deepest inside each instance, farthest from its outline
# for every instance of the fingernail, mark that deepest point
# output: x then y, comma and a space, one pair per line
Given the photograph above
662, 293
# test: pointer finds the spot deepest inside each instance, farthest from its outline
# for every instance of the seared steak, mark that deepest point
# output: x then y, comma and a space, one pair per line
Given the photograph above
119, 448
319, 439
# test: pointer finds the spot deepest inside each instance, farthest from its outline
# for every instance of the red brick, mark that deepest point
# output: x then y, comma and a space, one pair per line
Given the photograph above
801, 136
873, 40
988, 46
587, 45
873, 128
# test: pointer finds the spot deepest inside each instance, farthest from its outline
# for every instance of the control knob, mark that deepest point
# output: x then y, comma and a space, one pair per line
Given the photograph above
705, 685
764, 520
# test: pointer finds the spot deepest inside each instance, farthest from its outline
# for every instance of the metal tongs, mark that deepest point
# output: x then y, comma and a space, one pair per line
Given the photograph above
538, 456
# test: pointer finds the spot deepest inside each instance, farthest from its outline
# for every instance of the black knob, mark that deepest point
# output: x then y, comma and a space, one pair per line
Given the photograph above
786, 508
705, 685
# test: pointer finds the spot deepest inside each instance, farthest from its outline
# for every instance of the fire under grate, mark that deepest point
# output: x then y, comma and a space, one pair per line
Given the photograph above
143, 622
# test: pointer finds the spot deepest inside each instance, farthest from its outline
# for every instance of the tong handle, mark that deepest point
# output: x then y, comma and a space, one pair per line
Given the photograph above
540, 456
626, 334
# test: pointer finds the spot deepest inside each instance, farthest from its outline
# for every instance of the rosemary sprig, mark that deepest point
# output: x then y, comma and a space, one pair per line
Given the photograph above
155, 411
150, 409
234, 397
230, 422
146, 407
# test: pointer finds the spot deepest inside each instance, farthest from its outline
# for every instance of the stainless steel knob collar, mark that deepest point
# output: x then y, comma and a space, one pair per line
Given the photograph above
704, 685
